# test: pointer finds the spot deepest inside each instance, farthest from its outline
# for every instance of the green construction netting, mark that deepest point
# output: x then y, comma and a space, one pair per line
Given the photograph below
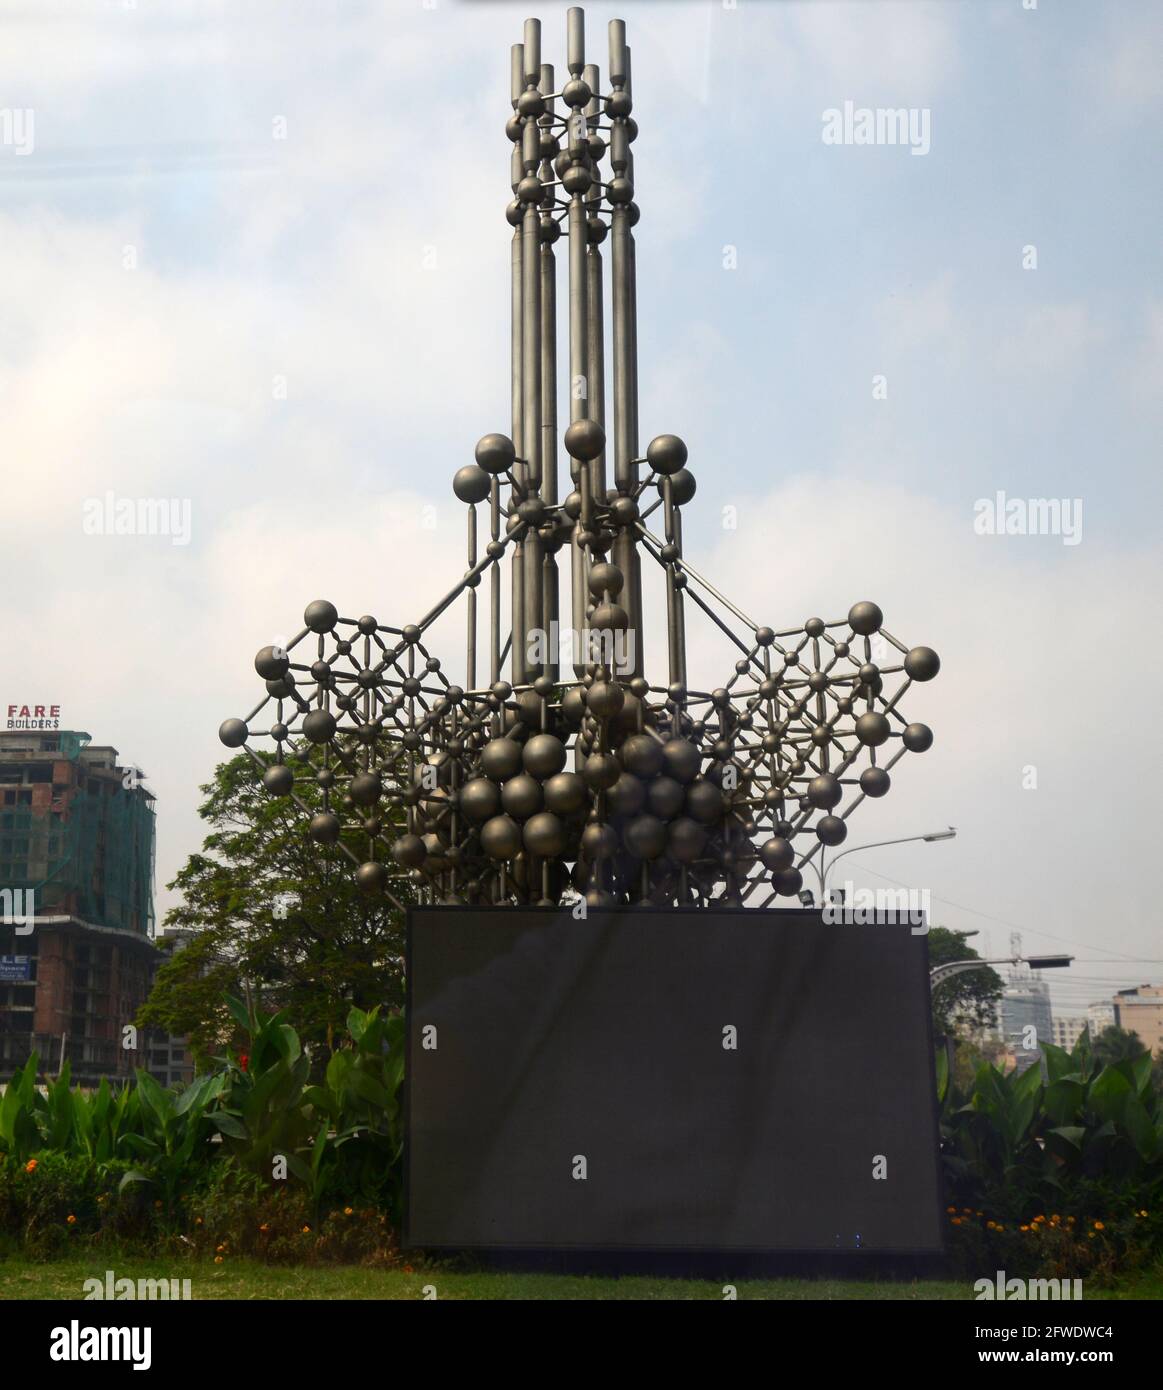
91, 854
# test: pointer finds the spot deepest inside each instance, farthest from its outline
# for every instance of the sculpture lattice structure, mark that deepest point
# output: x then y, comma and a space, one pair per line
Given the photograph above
599, 781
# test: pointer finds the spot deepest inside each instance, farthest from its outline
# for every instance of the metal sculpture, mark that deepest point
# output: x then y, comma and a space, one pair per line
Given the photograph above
598, 782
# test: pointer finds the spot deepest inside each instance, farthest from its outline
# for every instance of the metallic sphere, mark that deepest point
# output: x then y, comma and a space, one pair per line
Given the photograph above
530, 102
825, 791
471, 483
371, 877
319, 726
544, 835
865, 618
685, 839
601, 770
609, 617
577, 179
501, 759
682, 487
704, 801
777, 854
324, 828
619, 105
366, 788
605, 578
321, 616
627, 796
479, 800
521, 796
666, 797
565, 793
500, 837
666, 454
921, 664
681, 759
872, 729
788, 882
573, 705
645, 837
619, 191
495, 453
278, 779
598, 842
544, 754
271, 663
918, 738
605, 699
642, 755
233, 733
584, 440
409, 851
874, 781
831, 830
576, 92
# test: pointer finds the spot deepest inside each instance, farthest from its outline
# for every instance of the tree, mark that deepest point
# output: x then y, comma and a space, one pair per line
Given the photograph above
273, 916
1115, 1044
968, 1002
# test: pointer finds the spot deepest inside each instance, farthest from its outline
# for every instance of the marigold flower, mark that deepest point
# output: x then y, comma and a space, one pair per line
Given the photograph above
408, 1269
1023, 1228
30, 1166
70, 1220
347, 1211
217, 1259
220, 1248
306, 1231
951, 1210
197, 1220
1098, 1226
1142, 1213
265, 1226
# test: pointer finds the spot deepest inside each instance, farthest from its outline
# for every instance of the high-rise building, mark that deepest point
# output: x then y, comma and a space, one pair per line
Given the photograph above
76, 902
1025, 1020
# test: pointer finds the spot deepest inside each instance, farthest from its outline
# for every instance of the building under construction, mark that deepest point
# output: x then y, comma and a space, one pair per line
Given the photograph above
76, 904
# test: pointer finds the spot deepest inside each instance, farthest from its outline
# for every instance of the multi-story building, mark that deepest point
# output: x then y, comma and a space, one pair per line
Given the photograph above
76, 903
1140, 1010
1100, 1016
1025, 1020
1067, 1030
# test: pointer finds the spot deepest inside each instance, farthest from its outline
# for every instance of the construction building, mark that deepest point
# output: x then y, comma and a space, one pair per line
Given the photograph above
76, 904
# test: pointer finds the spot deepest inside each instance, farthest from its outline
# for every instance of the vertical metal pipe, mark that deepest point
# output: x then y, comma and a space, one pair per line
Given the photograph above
532, 47
575, 40
471, 655
495, 586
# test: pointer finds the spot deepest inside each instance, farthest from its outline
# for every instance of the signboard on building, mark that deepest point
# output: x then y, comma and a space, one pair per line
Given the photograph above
14, 969
33, 717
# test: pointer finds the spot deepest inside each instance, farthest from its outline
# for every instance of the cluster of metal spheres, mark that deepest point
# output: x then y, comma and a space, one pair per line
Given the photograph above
607, 787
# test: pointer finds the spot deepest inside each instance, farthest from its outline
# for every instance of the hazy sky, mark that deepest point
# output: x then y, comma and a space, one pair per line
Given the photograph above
255, 260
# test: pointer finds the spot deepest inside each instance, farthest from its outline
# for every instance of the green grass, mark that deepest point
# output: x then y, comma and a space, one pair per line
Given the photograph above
249, 1279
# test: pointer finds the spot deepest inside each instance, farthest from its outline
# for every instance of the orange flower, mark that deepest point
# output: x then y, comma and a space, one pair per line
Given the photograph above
1023, 1228
197, 1220
956, 1220
220, 1248
408, 1269
217, 1259
30, 1166
71, 1220
951, 1210
306, 1230
1142, 1213
347, 1211
264, 1227
1098, 1226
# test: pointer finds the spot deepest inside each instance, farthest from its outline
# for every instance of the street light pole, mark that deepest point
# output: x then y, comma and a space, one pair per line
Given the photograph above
823, 870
